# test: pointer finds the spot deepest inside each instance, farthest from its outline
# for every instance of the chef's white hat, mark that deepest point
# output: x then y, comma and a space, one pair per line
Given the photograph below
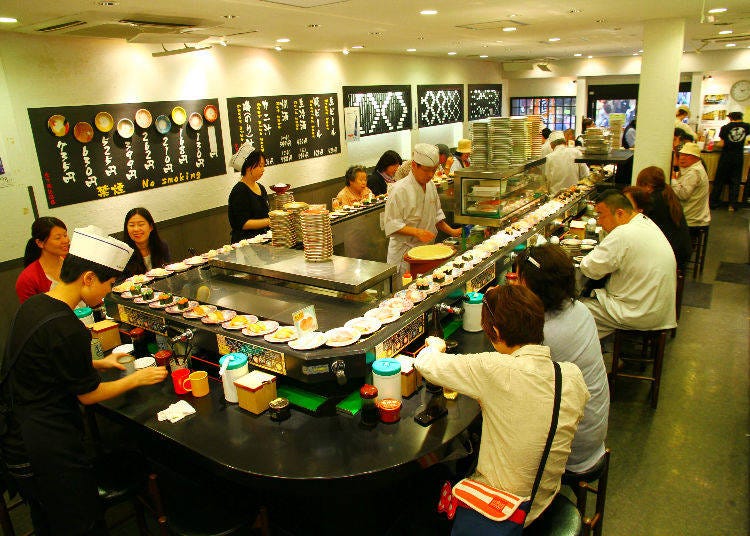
426, 154
241, 155
92, 244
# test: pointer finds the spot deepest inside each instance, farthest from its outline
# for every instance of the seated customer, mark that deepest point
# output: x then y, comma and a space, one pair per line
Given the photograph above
149, 250
446, 163
570, 334
43, 258
515, 385
640, 291
691, 186
382, 175
664, 209
356, 189
561, 169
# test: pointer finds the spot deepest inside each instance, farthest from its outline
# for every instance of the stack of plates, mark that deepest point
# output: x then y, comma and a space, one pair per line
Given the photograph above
316, 235
596, 141
500, 143
535, 132
616, 124
279, 200
572, 246
295, 208
479, 144
519, 134
281, 229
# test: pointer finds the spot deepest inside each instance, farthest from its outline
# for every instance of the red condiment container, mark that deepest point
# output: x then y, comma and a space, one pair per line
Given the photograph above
162, 357
390, 410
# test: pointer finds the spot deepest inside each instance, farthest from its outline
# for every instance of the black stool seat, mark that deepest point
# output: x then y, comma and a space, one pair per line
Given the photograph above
652, 352
561, 518
120, 475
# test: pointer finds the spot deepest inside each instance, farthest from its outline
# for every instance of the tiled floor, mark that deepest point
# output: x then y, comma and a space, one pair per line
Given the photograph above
683, 468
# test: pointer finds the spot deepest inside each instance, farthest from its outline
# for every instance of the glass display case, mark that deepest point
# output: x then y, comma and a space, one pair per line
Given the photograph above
496, 195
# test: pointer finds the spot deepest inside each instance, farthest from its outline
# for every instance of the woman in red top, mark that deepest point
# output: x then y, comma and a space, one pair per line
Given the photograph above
45, 251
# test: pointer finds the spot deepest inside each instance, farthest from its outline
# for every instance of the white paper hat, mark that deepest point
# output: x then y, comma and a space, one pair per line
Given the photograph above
556, 135
426, 154
241, 155
92, 244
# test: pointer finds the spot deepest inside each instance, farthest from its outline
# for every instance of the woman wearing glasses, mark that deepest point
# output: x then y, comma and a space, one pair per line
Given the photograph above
570, 333
515, 386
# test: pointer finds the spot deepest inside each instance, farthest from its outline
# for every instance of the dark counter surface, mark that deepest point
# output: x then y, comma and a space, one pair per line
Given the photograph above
613, 157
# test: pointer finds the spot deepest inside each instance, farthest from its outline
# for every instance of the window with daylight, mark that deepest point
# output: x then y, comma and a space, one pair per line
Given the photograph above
558, 113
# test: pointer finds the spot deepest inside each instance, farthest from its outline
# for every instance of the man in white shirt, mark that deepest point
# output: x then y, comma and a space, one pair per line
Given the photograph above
640, 291
413, 214
691, 186
546, 149
561, 169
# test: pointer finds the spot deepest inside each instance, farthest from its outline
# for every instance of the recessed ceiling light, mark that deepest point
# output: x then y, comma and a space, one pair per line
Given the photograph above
730, 45
640, 51
510, 29
428, 12
377, 34
411, 49
451, 53
230, 17
553, 39
601, 21
574, 11
512, 15
313, 26
278, 48
283, 40
726, 32
484, 56
108, 4
717, 10
345, 52
356, 47
577, 55
635, 53
8, 19
589, 57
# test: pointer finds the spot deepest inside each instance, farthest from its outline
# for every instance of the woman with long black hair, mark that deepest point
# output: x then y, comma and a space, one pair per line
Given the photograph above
150, 251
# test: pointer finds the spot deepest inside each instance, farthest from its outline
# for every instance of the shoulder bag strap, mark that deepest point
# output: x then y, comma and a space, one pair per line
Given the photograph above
552, 430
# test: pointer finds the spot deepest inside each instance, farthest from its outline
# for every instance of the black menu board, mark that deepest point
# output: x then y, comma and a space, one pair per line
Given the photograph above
485, 100
80, 162
286, 127
440, 105
382, 109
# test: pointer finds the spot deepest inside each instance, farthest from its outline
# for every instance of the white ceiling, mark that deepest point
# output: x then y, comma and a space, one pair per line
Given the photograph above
588, 27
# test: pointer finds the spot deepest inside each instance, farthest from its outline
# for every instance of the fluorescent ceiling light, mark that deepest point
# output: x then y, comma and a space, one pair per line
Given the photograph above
577, 55
484, 56
730, 45
411, 49
717, 10
553, 39
357, 47
428, 12
510, 29
726, 32
451, 53
589, 57
8, 19
283, 40
278, 48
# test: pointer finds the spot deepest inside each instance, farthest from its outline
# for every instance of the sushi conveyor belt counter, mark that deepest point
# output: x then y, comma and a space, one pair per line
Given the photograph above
274, 299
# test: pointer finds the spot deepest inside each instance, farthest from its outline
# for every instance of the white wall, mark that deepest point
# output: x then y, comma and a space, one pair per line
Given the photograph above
64, 71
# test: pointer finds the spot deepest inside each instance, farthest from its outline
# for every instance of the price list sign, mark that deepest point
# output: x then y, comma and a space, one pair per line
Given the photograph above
440, 105
382, 109
88, 153
286, 127
485, 100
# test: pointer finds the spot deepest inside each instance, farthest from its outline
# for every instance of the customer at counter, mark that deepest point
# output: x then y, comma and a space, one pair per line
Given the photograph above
561, 168
546, 149
413, 214
570, 333
149, 250
681, 116
47, 372
640, 267
729, 171
515, 385
585, 123
43, 258
248, 201
383, 174
664, 209
628, 138
691, 187
356, 189
446, 161
462, 156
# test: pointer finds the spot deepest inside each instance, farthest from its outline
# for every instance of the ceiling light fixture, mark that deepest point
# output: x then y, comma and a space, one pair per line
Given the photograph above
553, 39
510, 29
451, 53
730, 45
277, 48
428, 12
544, 67
313, 26
717, 10
726, 32
283, 40
589, 57
640, 51
578, 55
411, 49
9, 20
345, 52
230, 17
574, 11
183, 50
635, 53
108, 4
484, 56
223, 42
357, 47
707, 77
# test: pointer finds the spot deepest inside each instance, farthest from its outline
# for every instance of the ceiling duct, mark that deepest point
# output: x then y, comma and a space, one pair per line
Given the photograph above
61, 26
305, 3
492, 25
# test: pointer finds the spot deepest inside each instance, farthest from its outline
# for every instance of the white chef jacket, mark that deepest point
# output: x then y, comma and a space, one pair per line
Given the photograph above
561, 170
691, 188
640, 293
409, 205
546, 149
684, 126
517, 393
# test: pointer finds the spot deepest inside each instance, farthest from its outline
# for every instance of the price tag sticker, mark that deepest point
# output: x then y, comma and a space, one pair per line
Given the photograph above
305, 321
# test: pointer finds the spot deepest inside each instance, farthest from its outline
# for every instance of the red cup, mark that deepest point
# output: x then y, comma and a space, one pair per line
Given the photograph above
162, 357
180, 381
390, 410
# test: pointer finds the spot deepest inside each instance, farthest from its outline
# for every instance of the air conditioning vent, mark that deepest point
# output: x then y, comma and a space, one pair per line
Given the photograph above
157, 24
492, 25
61, 26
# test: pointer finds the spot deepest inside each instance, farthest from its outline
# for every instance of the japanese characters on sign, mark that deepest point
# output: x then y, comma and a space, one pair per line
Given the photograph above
77, 168
286, 127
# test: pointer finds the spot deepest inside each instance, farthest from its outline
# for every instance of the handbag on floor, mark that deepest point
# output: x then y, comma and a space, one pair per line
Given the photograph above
480, 509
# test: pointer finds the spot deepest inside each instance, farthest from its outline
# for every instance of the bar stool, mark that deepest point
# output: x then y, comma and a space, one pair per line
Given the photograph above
652, 352
678, 299
5, 522
581, 483
560, 518
699, 237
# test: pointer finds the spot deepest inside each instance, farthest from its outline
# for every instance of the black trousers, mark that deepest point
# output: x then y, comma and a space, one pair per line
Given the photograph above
729, 171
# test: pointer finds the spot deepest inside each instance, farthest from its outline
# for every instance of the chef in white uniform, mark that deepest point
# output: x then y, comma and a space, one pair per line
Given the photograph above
640, 263
413, 214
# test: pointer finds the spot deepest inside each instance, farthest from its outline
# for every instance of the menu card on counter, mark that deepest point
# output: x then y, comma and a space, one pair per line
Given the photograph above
88, 153
286, 127
485, 100
440, 105
382, 109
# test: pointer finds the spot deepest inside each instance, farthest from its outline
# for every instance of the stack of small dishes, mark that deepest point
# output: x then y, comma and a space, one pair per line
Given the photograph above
295, 208
520, 138
500, 145
571, 246
596, 141
479, 144
317, 236
283, 195
281, 227
535, 132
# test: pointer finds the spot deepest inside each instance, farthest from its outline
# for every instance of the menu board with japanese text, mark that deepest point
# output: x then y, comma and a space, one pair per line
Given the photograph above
485, 100
286, 127
382, 109
440, 105
79, 162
